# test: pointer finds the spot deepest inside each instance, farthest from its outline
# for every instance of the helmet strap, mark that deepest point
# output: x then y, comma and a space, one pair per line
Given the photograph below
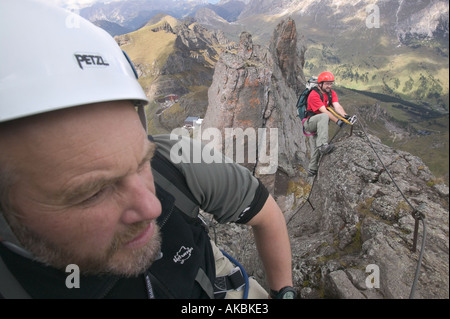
9, 239
142, 116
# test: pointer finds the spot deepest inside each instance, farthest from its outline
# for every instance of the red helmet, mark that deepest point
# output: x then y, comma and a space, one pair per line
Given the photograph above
325, 77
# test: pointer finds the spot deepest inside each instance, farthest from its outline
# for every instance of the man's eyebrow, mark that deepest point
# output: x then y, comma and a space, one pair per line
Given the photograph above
79, 192
148, 154
88, 188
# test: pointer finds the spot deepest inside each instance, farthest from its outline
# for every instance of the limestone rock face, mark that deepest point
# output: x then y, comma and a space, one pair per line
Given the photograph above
256, 88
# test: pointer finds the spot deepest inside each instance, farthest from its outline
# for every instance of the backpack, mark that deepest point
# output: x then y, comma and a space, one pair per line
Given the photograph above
302, 102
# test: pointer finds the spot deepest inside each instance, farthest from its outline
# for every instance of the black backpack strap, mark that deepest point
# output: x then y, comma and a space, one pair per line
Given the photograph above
10, 288
205, 282
330, 99
170, 178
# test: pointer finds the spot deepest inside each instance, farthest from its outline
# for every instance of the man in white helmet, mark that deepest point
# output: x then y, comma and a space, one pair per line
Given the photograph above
83, 187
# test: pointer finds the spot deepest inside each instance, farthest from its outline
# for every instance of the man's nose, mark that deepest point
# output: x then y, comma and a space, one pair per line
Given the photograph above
142, 203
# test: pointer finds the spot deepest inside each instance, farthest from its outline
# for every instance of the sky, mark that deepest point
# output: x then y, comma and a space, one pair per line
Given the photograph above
77, 4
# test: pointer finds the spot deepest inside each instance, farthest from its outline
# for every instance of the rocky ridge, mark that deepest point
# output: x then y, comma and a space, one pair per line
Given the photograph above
358, 217
257, 88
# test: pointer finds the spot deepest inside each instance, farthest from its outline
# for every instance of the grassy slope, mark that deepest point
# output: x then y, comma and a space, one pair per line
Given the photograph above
151, 48
433, 149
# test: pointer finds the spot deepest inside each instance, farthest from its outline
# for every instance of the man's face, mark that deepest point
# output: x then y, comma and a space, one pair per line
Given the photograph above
85, 193
326, 86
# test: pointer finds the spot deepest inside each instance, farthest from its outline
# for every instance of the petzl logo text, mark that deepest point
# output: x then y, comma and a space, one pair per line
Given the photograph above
90, 60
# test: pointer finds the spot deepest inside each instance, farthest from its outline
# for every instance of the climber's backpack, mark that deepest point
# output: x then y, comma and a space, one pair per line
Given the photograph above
302, 102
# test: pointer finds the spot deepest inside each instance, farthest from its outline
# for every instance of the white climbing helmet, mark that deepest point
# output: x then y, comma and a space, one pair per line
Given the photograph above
53, 59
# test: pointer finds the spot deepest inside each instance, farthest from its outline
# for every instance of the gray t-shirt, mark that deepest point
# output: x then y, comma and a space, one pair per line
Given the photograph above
222, 188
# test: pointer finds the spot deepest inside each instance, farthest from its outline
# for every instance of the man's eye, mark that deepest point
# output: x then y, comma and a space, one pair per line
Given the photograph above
144, 167
97, 196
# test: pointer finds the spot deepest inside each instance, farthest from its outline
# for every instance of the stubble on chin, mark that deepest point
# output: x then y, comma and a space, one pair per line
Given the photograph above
115, 260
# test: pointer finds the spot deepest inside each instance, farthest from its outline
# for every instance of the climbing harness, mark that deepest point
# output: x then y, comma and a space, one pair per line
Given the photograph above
416, 214
303, 126
302, 104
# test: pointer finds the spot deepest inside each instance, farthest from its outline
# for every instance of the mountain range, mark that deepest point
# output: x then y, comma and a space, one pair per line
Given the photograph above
394, 47
393, 54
